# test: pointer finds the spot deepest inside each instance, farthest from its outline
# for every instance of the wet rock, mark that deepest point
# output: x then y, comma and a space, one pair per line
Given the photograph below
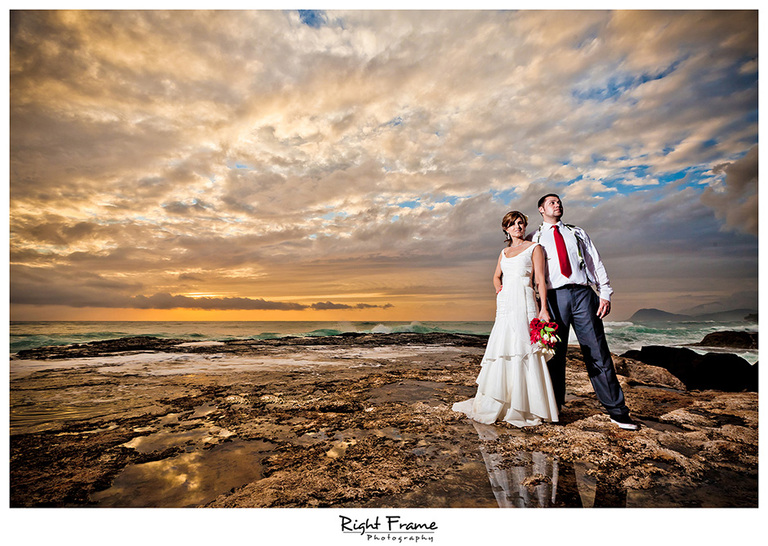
729, 339
99, 348
646, 374
720, 371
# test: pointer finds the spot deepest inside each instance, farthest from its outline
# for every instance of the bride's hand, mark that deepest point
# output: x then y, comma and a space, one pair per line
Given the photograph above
544, 315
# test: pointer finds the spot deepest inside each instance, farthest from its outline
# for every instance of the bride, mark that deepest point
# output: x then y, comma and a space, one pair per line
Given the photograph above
514, 383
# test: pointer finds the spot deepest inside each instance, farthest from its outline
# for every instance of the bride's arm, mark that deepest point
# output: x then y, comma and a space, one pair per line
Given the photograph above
497, 275
539, 274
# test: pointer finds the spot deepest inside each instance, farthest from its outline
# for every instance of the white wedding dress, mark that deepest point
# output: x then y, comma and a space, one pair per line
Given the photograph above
514, 383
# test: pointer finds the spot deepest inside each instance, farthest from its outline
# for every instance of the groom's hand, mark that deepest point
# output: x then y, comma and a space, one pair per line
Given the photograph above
604, 308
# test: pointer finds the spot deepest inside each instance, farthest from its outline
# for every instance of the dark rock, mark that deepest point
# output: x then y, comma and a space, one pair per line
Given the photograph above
734, 340
645, 374
97, 348
718, 371
725, 372
250, 346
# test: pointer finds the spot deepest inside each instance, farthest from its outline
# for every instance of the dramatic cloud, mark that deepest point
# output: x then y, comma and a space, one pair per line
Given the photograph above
166, 301
735, 200
359, 162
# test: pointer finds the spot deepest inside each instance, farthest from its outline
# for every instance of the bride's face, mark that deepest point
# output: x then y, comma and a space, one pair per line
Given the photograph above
517, 229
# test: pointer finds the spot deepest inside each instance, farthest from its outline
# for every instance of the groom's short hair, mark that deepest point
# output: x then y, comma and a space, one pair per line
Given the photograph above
541, 201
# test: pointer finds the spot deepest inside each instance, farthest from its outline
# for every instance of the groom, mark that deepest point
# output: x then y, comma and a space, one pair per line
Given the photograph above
573, 264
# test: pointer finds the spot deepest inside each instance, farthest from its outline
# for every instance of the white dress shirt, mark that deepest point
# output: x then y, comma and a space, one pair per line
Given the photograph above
593, 272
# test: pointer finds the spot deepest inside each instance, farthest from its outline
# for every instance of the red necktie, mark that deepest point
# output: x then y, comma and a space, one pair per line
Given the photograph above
562, 253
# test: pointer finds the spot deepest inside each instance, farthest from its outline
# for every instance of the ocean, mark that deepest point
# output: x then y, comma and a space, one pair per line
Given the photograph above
622, 336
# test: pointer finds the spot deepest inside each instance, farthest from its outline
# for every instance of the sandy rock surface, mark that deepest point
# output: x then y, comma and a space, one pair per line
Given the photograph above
354, 421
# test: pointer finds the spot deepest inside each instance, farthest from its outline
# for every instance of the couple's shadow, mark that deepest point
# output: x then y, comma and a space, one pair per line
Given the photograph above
533, 479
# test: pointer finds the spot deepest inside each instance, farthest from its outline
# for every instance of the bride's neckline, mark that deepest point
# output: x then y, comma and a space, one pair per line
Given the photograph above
504, 252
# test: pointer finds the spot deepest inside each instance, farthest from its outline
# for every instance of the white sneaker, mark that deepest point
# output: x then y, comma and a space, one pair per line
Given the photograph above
625, 422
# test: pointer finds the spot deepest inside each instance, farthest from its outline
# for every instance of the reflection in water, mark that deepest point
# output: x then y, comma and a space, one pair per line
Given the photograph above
164, 439
532, 484
587, 483
190, 479
535, 479
46, 414
531, 479
528, 480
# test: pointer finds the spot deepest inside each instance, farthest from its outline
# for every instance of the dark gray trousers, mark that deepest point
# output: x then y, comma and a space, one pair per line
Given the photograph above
577, 305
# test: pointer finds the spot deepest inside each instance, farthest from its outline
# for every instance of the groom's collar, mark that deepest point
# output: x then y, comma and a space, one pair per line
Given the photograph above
547, 225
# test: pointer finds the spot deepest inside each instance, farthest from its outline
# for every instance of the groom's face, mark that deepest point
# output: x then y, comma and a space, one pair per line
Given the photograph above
552, 207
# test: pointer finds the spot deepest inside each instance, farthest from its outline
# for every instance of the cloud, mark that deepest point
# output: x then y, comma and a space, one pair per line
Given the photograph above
735, 198
330, 305
359, 153
74, 288
167, 301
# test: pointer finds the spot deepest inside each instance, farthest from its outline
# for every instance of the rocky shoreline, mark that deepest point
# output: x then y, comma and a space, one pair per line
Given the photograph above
354, 421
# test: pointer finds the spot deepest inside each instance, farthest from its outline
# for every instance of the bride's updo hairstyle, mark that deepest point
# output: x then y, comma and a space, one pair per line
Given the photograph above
509, 219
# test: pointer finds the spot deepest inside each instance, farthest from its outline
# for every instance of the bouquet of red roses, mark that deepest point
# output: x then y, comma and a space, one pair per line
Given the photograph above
543, 336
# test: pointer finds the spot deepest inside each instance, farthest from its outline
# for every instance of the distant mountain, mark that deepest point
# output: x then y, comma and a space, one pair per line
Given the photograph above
705, 309
657, 315
746, 299
733, 314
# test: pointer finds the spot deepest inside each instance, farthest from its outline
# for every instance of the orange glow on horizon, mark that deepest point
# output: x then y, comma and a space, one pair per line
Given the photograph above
408, 312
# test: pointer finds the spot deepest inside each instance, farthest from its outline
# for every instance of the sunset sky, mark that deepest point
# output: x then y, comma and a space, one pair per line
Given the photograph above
355, 165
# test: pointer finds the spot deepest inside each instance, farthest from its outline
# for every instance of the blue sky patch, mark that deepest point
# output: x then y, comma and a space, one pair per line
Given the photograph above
237, 165
505, 196
452, 199
668, 178
618, 85
429, 198
334, 214
612, 89
313, 18
394, 122
620, 184
695, 177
